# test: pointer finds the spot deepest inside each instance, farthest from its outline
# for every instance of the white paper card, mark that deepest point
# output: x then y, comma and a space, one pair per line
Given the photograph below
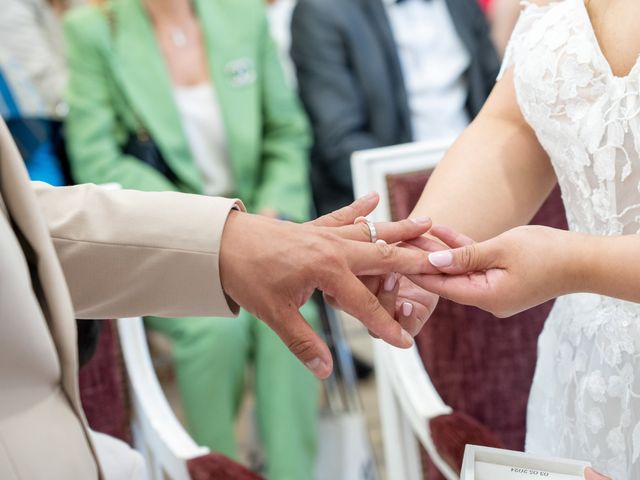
483, 463
491, 471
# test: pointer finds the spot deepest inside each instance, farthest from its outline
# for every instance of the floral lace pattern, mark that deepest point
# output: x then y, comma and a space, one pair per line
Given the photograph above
585, 398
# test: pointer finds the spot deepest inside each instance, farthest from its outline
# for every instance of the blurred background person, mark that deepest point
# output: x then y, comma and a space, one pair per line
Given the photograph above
279, 13
191, 96
32, 81
383, 72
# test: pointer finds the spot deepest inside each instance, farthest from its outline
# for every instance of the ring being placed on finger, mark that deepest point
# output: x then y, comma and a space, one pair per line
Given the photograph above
373, 233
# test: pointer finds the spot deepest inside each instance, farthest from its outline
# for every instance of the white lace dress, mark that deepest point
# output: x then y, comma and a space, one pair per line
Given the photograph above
585, 398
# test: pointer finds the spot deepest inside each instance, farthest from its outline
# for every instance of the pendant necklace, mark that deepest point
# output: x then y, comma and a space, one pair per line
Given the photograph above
179, 38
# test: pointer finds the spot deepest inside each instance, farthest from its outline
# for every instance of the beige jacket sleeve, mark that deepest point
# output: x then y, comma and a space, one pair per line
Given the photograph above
127, 253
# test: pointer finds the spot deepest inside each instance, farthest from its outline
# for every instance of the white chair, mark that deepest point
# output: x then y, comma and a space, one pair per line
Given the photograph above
157, 433
407, 397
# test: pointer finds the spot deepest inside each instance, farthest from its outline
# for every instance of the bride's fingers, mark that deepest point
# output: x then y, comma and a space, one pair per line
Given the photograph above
388, 292
426, 244
451, 237
470, 289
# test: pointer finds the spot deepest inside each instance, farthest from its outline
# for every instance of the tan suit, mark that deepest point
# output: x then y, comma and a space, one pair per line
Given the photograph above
88, 253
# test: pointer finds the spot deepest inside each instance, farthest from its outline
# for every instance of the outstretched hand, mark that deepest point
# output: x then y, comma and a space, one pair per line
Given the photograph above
271, 268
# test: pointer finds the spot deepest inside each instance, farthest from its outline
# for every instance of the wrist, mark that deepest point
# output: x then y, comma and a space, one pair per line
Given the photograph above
580, 260
228, 251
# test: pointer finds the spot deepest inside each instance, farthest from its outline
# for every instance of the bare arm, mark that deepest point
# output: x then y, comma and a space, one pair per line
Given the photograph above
495, 176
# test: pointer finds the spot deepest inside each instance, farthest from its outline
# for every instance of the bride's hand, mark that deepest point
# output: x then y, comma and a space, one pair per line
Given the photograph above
591, 474
512, 272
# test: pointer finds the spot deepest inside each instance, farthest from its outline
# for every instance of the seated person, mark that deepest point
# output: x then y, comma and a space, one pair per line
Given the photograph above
373, 73
203, 80
32, 81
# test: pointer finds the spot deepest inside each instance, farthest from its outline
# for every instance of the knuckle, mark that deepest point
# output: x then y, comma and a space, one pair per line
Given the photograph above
302, 348
387, 252
374, 307
470, 256
338, 217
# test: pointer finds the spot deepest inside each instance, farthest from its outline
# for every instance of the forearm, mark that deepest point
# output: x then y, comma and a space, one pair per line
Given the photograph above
604, 265
128, 253
495, 176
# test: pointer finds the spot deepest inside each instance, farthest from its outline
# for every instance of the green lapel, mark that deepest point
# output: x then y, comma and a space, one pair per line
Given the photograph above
142, 74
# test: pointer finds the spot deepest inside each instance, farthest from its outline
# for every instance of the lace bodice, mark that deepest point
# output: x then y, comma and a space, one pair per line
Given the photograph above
586, 118
585, 399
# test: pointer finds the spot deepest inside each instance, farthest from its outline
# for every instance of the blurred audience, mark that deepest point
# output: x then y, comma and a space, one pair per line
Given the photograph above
279, 13
383, 72
32, 82
191, 96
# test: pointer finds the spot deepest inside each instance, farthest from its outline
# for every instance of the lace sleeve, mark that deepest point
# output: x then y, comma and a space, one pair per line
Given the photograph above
531, 12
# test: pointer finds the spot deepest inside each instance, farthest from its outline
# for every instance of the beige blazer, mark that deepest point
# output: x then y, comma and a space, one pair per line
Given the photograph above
88, 253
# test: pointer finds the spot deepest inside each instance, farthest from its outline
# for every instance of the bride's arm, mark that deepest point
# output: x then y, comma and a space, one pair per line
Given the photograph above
526, 266
495, 176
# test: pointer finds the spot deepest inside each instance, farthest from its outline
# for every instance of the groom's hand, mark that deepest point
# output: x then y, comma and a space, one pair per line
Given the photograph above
271, 268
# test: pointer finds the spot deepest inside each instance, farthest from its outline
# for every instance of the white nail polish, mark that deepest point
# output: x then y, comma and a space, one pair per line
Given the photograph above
390, 282
407, 308
441, 259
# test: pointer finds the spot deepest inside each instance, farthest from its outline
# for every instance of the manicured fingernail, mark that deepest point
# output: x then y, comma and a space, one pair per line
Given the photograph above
407, 339
381, 242
390, 282
317, 366
441, 259
421, 220
359, 220
407, 308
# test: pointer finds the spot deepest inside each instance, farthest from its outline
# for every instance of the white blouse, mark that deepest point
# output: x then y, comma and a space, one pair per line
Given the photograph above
203, 125
434, 62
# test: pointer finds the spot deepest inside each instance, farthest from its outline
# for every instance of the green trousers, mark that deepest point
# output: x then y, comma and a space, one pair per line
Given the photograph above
211, 356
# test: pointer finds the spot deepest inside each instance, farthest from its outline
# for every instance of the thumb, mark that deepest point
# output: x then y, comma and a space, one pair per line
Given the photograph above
475, 257
303, 342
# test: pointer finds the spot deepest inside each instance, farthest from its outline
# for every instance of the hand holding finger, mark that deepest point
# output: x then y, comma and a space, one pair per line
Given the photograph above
474, 257
380, 259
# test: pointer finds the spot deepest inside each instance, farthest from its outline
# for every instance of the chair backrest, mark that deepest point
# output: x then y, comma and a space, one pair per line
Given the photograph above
479, 365
137, 412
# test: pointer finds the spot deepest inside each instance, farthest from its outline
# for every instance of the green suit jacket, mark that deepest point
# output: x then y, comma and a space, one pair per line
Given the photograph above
116, 68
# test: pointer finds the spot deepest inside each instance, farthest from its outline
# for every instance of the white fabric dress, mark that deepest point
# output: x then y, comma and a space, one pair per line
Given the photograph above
585, 398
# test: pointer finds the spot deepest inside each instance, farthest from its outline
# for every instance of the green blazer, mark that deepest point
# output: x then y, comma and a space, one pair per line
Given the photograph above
116, 68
